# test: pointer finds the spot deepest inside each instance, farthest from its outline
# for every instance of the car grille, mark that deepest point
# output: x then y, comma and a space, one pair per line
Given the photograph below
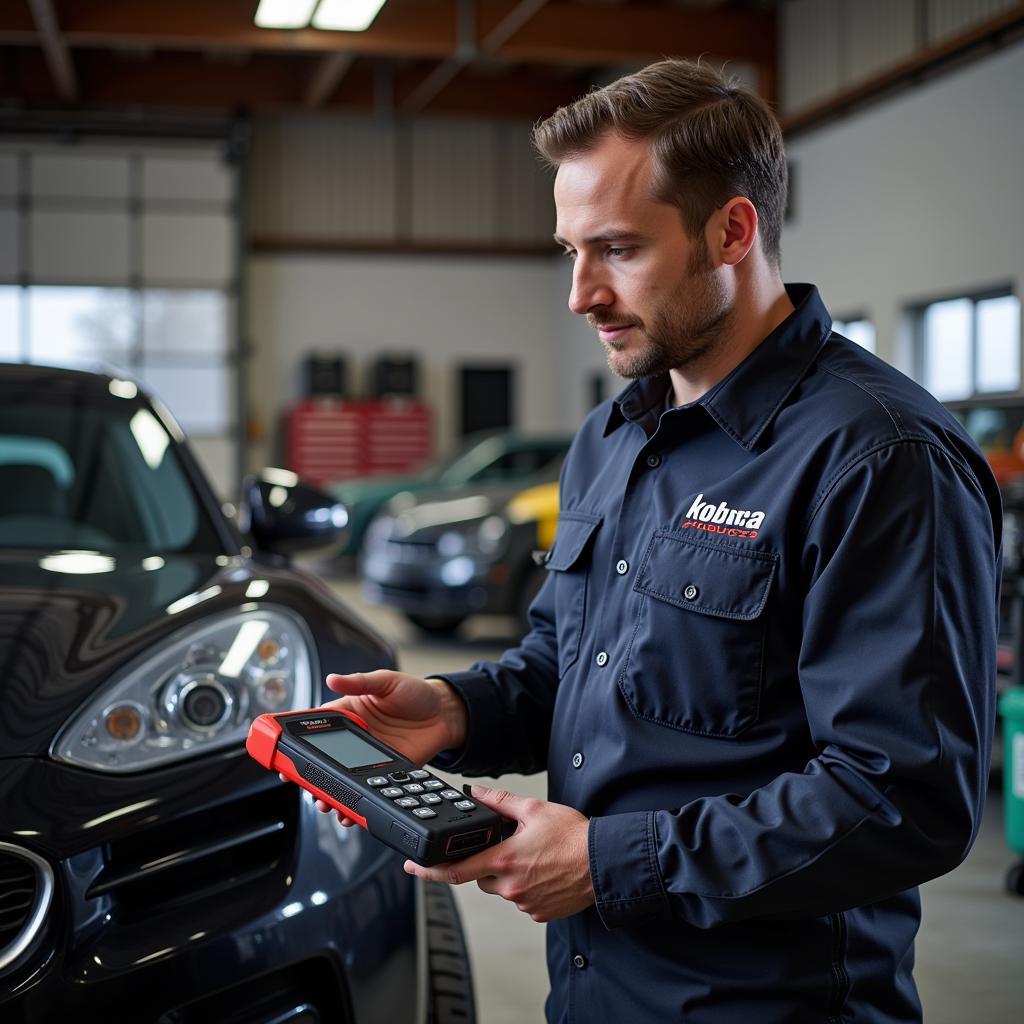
197, 856
409, 552
26, 888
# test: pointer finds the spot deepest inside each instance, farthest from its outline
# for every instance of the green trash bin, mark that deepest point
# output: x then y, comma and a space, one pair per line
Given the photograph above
1011, 707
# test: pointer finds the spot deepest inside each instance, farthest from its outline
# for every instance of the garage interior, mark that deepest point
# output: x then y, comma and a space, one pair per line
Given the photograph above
300, 239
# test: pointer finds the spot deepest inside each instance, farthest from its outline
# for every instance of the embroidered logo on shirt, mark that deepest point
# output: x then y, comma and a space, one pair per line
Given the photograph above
732, 522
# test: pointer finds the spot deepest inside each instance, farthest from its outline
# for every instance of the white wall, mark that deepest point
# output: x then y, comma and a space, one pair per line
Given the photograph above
445, 310
914, 199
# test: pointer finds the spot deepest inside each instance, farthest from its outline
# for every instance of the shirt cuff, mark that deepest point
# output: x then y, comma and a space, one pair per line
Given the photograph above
624, 869
484, 715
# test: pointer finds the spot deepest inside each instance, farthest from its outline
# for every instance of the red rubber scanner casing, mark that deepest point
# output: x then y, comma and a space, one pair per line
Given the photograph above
261, 744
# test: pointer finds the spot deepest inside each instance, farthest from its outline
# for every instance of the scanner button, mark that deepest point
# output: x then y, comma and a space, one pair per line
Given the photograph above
413, 787
392, 791
377, 780
465, 805
425, 812
433, 784
430, 798
419, 773
451, 794
408, 801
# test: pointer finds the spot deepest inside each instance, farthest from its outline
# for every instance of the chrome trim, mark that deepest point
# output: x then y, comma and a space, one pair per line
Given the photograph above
44, 897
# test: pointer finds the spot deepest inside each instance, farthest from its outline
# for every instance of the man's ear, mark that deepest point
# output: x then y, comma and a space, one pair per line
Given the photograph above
733, 231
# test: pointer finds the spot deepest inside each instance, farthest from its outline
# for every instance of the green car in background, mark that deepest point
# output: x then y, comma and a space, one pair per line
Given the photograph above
481, 458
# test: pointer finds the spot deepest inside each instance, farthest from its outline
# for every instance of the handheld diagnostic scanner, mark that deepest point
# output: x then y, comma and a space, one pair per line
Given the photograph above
331, 754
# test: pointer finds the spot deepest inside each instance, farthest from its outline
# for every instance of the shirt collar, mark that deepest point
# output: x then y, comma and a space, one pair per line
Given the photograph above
747, 399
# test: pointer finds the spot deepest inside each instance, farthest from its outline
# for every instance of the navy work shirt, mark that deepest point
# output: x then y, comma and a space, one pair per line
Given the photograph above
763, 665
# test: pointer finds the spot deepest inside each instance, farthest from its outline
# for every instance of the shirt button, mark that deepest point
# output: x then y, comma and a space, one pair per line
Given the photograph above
602, 659
577, 760
690, 592
622, 567
654, 461
579, 961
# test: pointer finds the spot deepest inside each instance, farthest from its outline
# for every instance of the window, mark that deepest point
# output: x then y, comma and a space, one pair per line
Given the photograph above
857, 329
175, 341
144, 284
10, 340
969, 345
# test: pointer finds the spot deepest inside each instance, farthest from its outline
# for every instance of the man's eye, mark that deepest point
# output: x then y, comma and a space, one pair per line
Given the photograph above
570, 253
619, 250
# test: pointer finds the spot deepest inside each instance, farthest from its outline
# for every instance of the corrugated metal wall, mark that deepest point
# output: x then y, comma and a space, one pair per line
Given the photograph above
333, 178
831, 45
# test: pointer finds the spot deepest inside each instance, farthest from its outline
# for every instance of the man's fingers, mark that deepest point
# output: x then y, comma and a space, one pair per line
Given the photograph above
358, 683
507, 804
472, 869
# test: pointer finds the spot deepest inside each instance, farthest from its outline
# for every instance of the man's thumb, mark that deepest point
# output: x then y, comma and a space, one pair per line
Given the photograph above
507, 804
358, 683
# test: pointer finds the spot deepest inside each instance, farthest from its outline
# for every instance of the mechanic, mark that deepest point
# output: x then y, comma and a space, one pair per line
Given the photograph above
760, 673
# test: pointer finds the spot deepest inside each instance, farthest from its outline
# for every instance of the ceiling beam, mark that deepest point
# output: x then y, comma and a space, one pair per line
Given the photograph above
58, 58
327, 77
510, 24
414, 28
195, 84
570, 33
577, 34
465, 51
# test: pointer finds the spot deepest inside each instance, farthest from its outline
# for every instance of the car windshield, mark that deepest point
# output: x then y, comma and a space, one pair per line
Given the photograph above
94, 474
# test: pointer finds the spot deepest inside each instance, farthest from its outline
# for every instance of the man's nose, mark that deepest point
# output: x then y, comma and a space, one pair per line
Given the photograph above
588, 288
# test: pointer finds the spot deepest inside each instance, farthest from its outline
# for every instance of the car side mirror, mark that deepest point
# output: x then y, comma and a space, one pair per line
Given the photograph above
286, 517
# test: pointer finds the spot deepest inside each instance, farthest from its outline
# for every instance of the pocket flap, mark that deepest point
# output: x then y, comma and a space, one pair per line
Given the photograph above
730, 583
574, 532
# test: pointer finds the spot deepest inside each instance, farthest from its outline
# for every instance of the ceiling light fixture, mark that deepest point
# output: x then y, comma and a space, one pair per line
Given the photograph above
346, 15
284, 13
332, 15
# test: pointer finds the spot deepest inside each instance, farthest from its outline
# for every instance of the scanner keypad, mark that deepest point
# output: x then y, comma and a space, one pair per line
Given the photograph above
412, 796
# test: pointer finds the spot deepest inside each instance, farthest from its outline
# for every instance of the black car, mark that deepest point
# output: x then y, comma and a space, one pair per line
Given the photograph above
150, 871
441, 557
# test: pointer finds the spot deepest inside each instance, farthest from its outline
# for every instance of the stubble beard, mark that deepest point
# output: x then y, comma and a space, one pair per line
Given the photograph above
689, 326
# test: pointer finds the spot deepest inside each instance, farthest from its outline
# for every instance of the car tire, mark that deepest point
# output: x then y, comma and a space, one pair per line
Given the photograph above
435, 625
1015, 879
450, 993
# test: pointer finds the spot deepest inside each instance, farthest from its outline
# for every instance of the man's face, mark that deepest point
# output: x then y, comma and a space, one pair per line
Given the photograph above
649, 290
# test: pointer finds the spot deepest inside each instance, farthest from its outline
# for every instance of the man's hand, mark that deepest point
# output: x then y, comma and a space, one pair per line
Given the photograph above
418, 717
543, 868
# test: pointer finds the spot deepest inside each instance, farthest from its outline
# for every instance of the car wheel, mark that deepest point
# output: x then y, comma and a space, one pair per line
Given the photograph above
450, 999
435, 625
1015, 879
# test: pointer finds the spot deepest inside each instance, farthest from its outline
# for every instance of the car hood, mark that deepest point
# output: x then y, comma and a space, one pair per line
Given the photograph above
435, 511
378, 488
64, 631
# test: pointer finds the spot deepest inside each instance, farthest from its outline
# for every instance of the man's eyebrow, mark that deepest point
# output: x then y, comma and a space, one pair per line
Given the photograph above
611, 235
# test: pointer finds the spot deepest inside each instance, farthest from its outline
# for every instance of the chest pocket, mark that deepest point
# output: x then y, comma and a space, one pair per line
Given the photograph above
570, 562
695, 659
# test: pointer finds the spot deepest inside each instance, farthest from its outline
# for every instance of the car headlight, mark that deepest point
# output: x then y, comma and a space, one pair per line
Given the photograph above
197, 694
378, 533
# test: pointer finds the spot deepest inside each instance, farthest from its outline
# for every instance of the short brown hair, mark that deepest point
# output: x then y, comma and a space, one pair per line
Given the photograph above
711, 138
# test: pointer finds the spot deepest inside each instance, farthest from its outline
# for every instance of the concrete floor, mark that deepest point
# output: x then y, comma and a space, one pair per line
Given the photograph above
970, 951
